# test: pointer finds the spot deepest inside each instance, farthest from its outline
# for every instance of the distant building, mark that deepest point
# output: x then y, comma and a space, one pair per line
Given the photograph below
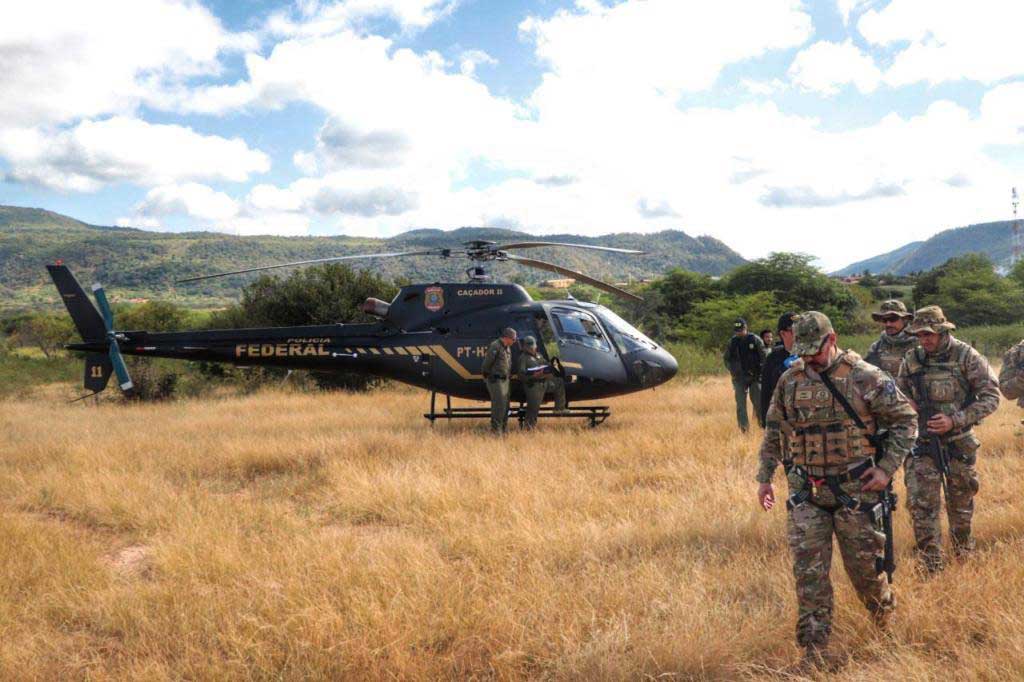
558, 283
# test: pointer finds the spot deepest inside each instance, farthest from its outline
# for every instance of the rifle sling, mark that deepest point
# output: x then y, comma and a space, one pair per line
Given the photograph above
847, 407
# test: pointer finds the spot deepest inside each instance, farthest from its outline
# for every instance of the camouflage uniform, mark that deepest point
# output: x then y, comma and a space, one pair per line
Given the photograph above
811, 434
496, 368
1011, 376
957, 381
536, 387
888, 351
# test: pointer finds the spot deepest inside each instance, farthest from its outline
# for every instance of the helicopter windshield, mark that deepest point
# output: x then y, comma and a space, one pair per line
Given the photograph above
578, 327
627, 338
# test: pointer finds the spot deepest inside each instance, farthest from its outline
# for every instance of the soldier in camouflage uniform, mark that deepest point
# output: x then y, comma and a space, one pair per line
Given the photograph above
537, 384
834, 472
888, 351
496, 368
953, 388
1011, 376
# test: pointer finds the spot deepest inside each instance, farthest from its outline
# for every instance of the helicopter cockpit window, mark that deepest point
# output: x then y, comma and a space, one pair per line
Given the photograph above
547, 337
580, 328
627, 338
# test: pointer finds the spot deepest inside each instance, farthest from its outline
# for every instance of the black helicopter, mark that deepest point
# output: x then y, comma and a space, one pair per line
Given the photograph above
430, 335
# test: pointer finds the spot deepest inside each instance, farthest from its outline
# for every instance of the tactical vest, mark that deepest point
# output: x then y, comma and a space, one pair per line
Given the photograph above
817, 431
942, 377
887, 354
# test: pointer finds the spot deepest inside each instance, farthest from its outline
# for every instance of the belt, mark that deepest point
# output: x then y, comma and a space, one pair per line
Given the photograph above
833, 482
841, 475
498, 377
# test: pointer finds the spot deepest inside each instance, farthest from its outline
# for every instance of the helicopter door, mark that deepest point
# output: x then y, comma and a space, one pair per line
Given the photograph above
584, 348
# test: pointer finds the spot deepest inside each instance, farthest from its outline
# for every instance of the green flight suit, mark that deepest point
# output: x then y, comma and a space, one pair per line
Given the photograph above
536, 387
496, 368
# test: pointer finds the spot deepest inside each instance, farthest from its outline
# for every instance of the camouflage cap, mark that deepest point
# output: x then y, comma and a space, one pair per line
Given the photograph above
891, 308
930, 319
810, 331
529, 342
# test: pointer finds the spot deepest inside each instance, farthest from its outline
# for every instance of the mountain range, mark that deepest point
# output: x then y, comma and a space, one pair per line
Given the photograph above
992, 239
135, 263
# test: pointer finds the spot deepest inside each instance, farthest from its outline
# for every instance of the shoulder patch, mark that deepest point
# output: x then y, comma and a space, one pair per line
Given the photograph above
889, 388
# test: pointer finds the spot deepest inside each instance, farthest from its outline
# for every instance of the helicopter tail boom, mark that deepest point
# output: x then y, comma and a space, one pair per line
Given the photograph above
83, 313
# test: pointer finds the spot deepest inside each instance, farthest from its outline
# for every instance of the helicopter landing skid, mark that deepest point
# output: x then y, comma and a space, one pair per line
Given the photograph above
596, 414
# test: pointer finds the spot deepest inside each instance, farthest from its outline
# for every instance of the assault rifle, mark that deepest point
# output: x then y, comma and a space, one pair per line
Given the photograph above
887, 498
930, 444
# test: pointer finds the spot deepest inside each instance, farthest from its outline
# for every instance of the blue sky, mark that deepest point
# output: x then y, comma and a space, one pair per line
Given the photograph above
841, 128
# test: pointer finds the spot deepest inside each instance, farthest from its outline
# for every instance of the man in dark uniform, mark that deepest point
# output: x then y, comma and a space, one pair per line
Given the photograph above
496, 368
776, 363
538, 382
743, 358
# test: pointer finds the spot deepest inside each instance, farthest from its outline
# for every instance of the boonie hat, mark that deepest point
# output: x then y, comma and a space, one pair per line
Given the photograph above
891, 308
930, 319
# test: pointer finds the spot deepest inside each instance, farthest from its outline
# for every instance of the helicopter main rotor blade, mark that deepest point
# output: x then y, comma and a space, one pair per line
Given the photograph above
534, 245
397, 254
579, 276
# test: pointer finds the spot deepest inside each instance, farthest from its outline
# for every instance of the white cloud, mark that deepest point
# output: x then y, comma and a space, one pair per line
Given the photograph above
212, 210
666, 45
315, 18
470, 59
1002, 113
121, 149
948, 40
67, 59
764, 88
191, 199
825, 67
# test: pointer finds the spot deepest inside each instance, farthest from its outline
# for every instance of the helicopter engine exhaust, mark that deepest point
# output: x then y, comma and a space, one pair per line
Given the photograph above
375, 307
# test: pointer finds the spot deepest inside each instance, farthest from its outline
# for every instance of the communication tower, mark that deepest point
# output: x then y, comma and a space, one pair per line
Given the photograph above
1018, 234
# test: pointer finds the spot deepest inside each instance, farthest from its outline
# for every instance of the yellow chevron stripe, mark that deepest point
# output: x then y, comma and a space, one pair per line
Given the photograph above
375, 351
361, 351
574, 365
454, 364
426, 350
400, 350
348, 350
387, 351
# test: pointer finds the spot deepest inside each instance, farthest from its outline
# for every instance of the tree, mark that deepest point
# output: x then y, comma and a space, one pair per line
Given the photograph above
324, 294
970, 292
710, 323
796, 284
154, 316
46, 331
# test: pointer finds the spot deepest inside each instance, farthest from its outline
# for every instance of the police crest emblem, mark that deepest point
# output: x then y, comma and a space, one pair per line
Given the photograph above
433, 298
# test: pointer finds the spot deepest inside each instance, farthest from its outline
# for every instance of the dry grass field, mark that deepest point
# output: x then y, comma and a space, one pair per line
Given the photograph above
297, 536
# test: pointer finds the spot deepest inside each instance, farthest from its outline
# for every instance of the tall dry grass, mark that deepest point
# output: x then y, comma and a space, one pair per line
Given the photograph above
290, 536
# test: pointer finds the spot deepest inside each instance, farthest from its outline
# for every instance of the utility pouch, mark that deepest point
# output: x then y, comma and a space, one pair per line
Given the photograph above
965, 448
941, 390
836, 441
814, 445
795, 441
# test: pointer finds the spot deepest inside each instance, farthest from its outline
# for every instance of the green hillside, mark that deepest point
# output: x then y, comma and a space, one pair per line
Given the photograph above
135, 263
992, 239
